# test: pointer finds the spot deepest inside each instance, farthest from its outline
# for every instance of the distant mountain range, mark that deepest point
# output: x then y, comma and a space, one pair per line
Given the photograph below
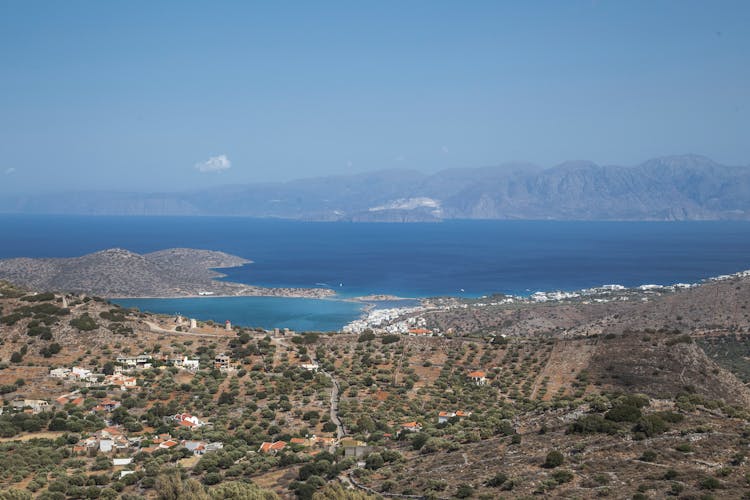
687, 187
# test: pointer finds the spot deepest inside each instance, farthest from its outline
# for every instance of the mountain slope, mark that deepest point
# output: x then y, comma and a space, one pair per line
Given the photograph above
687, 187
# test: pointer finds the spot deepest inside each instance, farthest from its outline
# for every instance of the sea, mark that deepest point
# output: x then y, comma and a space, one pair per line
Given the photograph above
458, 258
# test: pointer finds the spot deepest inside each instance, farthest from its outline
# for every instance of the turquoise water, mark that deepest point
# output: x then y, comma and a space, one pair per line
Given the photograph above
468, 258
264, 312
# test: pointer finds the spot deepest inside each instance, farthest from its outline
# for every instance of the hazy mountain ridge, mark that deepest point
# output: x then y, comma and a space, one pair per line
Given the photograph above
687, 187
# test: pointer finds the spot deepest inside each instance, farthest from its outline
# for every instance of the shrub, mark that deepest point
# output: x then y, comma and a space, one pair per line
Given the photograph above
590, 424
554, 459
562, 476
84, 323
464, 491
623, 412
682, 339
648, 456
497, 480
390, 339
710, 483
366, 336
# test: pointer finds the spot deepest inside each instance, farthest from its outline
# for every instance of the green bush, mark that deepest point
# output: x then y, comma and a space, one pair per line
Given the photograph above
84, 323
562, 476
623, 412
591, 424
554, 459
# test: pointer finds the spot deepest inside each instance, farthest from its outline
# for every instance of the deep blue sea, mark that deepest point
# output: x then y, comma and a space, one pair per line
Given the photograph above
470, 258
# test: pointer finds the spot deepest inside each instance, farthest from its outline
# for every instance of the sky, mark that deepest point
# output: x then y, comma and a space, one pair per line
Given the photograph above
173, 95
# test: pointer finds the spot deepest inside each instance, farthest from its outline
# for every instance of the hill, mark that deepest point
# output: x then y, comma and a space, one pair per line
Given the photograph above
686, 187
612, 398
116, 272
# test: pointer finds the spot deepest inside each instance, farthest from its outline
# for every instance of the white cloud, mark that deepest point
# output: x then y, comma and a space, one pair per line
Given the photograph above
214, 164
9, 171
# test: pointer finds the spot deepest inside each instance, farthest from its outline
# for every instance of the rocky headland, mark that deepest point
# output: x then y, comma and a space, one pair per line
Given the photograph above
115, 272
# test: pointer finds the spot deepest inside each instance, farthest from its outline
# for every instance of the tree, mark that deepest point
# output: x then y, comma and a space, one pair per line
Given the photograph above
16, 357
374, 461
236, 490
335, 491
172, 487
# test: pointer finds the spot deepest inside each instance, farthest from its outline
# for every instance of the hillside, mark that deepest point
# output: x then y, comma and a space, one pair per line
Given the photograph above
687, 187
116, 272
604, 405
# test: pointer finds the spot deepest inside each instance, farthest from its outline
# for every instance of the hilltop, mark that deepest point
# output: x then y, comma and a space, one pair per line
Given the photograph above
682, 187
176, 272
621, 400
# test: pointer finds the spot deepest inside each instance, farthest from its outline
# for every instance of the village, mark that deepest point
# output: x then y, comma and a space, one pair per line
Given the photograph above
116, 431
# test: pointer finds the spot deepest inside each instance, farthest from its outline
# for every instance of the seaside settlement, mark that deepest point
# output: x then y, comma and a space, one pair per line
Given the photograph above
454, 398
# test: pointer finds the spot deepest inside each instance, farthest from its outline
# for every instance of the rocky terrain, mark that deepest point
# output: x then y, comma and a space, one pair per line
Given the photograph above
580, 399
685, 187
176, 272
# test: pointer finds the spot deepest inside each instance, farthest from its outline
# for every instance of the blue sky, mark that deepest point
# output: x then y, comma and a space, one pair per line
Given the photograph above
178, 95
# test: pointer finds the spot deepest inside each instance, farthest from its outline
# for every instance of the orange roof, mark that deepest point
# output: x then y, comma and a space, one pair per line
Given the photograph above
275, 446
477, 374
410, 424
77, 401
186, 423
445, 414
461, 413
169, 443
298, 441
419, 331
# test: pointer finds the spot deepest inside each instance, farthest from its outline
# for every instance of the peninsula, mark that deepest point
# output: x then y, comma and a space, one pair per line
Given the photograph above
171, 273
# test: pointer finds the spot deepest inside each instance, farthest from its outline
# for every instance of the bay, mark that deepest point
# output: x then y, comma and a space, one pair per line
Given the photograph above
468, 258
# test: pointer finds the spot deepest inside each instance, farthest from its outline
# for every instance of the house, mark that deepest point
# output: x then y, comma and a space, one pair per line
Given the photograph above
122, 461
36, 405
196, 447
188, 420
411, 427
324, 442
272, 448
121, 380
109, 433
300, 442
186, 363
59, 373
222, 361
201, 447
107, 405
105, 445
419, 331
478, 377
354, 448
444, 416
169, 443
311, 366
82, 375
142, 361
